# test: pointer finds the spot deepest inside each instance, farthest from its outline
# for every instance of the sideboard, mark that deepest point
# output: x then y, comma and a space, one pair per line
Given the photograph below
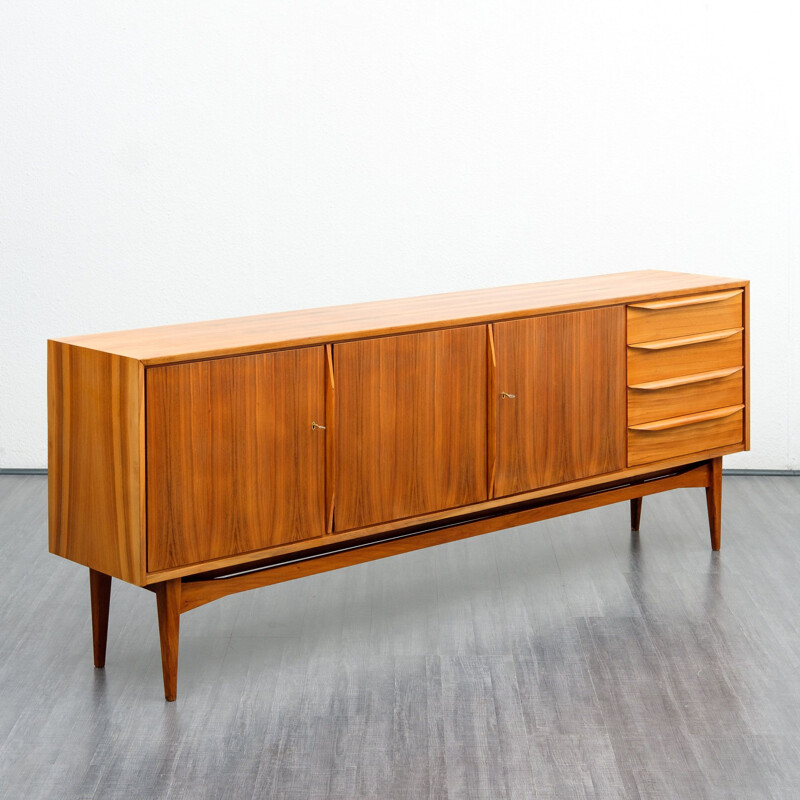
203, 459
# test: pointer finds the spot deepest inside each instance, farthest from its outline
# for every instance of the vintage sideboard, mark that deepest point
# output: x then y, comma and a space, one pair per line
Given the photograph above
203, 459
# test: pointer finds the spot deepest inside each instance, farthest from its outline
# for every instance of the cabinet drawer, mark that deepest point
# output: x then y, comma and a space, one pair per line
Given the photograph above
687, 394
680, 316
655, 441
689, 355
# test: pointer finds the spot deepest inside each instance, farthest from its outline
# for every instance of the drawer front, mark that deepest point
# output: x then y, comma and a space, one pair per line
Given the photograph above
684, 356
689, 394
681, 316
648, 446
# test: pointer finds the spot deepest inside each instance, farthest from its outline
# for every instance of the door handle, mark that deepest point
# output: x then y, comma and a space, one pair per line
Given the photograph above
691, 300
316, 425
689, 419
697, 338
504, 395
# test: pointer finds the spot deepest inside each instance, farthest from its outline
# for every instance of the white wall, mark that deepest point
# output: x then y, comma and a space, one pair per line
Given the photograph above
165, 162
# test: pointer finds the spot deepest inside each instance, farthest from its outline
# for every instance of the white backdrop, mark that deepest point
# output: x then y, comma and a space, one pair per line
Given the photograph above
166, 162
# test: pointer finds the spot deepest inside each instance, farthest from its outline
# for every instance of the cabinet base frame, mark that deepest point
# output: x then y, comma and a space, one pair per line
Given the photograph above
179, 595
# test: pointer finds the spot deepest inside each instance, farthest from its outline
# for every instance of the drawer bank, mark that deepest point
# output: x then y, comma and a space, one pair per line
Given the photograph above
204, 459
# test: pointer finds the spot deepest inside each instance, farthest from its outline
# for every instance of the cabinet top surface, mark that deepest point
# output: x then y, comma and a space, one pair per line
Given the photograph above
193, 340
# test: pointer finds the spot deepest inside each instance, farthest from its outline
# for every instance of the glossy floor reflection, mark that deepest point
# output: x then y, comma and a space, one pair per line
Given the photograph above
565, 659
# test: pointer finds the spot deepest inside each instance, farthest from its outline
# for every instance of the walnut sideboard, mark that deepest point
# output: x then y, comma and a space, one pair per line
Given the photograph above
204, 459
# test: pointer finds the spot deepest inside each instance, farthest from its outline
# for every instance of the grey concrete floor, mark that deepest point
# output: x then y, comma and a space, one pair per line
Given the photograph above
565, 659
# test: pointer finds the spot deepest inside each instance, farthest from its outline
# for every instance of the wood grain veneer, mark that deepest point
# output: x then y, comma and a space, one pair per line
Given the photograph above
493, 506
233, 463
684, 359
95, 461
171, 343
566, 419
647, 446
685, 394
411, 425
667, 319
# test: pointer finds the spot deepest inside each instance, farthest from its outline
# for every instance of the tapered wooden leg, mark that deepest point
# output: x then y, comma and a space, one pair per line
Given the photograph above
636, 512
100, 590
168, 599
714, 501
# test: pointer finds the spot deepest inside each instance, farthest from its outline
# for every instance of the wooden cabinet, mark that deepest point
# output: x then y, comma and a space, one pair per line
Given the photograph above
560, 404
204, 459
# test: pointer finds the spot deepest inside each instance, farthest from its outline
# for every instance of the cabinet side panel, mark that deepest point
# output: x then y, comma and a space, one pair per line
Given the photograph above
95, 414
746, 359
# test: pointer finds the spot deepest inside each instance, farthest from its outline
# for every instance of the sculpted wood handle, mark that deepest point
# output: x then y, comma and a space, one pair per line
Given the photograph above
684, 380
694, 300
664, 344
677, 422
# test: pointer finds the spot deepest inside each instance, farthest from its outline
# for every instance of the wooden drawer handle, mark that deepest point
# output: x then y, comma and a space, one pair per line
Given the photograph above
683, 380
689, 419
664, 344
694, 300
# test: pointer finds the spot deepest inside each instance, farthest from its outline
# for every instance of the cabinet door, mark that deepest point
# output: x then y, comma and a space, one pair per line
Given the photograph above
411, 425
233, 464
566, 419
